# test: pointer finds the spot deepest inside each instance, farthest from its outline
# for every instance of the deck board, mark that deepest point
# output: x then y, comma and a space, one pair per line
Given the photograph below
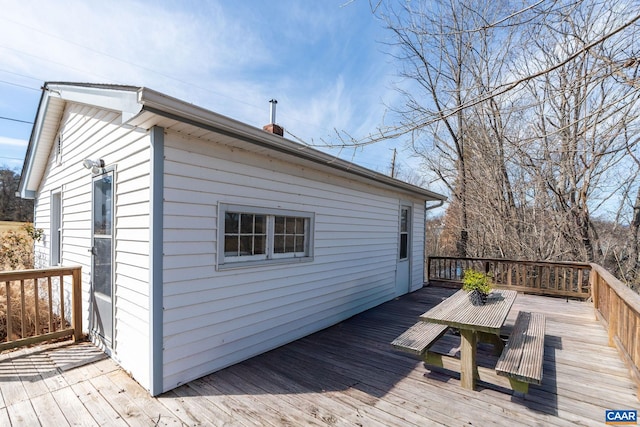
99, 408
48, 411
342, 376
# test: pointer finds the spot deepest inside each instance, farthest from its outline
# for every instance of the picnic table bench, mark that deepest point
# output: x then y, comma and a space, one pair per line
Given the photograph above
522, 358
418, 338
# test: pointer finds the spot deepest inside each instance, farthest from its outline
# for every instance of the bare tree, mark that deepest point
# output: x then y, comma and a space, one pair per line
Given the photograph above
524, 111
581, 117
446, 51
12, 208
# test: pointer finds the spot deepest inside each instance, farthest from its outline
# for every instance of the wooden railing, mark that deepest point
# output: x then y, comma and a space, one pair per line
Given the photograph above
32, 306
619, 308
566, 279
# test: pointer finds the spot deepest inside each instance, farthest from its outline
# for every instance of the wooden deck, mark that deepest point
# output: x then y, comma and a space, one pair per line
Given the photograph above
345, 375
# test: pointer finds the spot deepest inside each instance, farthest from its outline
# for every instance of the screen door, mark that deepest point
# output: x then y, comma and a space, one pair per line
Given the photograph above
102, 257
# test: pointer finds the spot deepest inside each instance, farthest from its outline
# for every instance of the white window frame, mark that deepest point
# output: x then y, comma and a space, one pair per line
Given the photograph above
226, 262
55, 227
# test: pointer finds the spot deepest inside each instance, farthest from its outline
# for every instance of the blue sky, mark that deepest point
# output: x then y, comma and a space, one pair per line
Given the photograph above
324, 61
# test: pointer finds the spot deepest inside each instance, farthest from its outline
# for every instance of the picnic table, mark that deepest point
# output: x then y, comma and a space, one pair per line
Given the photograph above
520, 361
475, 321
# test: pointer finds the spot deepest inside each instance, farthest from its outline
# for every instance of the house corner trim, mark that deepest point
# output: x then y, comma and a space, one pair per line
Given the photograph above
156, 239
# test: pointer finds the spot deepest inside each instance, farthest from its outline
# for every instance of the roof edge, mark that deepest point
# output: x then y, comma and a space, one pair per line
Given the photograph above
27, 164
130, 101
167, 106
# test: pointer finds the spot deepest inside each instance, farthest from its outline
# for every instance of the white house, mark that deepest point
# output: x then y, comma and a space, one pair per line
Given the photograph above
204, 241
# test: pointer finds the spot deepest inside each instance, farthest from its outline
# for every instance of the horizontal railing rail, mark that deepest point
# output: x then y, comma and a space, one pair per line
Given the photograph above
565, 279
619, 308
32, 306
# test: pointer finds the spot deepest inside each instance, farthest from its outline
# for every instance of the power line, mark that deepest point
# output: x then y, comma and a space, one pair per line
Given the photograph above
19, 85
15, 120
130, 63
21, 75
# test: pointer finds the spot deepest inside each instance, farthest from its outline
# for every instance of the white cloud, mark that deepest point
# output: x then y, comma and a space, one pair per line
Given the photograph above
14, 143
12, 152
320, 60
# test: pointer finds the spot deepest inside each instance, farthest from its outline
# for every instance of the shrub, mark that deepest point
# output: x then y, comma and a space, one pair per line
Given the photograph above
476, 280
16, 247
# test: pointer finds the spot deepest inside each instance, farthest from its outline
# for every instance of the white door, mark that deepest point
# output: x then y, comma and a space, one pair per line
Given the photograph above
403, 268
102, 259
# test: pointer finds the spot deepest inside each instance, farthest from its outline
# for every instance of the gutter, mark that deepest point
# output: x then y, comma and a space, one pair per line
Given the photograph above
440, 203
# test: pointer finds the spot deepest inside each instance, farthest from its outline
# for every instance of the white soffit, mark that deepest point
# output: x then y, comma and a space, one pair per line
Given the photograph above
123, 99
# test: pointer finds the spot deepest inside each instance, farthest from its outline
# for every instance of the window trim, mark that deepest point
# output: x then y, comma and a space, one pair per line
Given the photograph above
271, 258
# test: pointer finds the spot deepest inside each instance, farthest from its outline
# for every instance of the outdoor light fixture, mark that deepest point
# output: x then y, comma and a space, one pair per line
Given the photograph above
94, 165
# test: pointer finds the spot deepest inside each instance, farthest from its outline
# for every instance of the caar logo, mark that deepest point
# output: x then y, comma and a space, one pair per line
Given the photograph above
621, 416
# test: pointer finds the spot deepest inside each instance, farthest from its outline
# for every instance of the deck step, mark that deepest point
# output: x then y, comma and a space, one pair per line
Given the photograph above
523, 355
418, 338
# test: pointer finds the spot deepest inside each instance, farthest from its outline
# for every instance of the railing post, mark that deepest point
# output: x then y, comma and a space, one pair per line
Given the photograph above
428, 270
61, 292
593, 288
50, 307
23, 315
76, 304
7, 286
36, 306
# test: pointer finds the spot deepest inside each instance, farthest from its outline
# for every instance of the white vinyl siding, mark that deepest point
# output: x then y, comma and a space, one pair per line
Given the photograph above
93, 133
214, 318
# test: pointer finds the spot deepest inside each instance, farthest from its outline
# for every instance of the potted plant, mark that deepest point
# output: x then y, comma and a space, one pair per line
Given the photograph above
478, 285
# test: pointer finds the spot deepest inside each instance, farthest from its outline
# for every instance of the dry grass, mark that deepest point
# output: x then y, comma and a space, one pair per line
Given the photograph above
16, 253
29, 311
10, 226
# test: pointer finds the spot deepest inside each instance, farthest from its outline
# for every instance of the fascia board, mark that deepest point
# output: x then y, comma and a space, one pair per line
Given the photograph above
27, 168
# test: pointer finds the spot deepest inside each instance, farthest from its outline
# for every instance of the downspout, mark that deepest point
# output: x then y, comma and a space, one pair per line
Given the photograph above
428, 208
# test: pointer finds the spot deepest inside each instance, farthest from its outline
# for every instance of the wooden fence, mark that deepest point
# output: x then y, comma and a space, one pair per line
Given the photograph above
566, 279
32, 305
619, 308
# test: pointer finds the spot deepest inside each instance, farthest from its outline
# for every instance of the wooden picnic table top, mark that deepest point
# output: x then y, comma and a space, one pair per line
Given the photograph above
458, 311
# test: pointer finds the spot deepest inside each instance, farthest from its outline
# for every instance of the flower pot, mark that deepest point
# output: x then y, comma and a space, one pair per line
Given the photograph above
477, 297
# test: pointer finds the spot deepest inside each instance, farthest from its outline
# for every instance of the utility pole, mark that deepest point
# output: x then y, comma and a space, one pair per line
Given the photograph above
393, 164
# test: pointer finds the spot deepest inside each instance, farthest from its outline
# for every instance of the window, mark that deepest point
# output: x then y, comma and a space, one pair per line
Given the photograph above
404, 233
289, 235
252, 235
245, 234
56, 229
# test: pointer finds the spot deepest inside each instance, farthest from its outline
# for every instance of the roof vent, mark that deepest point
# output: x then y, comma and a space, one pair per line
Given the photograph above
273, 127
